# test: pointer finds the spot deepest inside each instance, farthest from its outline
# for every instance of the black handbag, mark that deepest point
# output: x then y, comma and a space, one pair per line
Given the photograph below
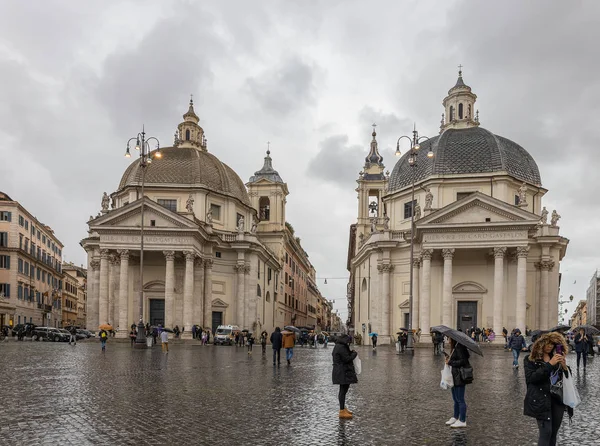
556, 386
466, 374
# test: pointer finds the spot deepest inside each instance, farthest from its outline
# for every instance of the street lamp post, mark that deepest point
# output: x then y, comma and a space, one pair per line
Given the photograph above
412, 161
143, 146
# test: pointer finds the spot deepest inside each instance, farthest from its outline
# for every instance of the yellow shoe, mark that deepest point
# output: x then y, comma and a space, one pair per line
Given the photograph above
345, 415
347, 411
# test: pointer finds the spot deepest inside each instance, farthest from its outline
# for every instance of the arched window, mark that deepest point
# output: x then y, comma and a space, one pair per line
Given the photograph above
187, 135
469, 108
258, 290
451, 113
364, 285
268, 297
264, 209
460, 111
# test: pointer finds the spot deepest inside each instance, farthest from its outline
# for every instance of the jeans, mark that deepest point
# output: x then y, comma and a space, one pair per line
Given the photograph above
549, 428
289, 353
277, 354
73, 338
516, 353
460, 406
579, 355
103, 343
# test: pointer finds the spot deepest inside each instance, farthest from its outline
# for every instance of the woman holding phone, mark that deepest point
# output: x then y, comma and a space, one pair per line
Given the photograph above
547, 359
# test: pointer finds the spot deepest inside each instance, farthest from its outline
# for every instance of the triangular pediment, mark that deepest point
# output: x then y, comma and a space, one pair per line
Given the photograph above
219, 303
478, 208
129, 216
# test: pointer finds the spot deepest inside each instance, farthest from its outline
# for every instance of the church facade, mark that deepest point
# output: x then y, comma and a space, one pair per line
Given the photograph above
486, 253
214, 249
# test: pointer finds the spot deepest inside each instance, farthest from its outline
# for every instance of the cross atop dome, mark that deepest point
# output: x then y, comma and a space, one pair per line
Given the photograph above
459, 106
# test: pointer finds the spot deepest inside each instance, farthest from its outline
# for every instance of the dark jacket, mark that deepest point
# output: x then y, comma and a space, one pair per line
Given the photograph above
343, 365
517, 342
581, 344
458, 359
538, 400
276, 340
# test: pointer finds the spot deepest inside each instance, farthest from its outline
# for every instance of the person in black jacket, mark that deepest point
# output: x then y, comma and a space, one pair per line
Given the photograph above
581, 347
276, 343
343, 371
539, 401
516, 343
459, 358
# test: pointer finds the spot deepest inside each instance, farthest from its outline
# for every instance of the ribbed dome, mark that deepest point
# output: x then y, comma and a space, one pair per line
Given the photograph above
188, 167
472, 150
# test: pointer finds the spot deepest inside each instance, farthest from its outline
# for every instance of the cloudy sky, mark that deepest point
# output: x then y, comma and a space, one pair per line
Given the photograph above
79, 78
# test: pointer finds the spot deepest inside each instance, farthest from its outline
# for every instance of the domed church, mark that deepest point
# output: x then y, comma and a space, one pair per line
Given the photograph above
486, 252
213, 248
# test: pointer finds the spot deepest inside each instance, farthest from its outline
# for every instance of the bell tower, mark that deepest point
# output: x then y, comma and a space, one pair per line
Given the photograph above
268, 193
459, 106
189, 133
372, 186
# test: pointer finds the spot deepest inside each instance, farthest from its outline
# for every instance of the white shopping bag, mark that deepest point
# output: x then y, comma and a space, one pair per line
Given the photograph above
570, 394
357, 365
397, 346
447, 380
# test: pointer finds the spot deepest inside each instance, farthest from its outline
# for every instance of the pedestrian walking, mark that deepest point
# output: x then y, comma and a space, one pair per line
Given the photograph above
289, 340
403, 341
193, 331
249, 342
546, 363
132, 336
263, 342
103, 338
154, 335
208, 336
374, 341
343, 372
458, 359
164, 339
582, 342
276, 343
73, 337
517, 343
505, 336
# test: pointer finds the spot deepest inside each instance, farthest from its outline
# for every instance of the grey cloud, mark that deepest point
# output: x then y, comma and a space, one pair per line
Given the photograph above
336, 161
286, 89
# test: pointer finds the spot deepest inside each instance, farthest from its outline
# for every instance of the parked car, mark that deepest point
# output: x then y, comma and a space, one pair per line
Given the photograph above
83, 334
28, 327
67, 334
48, 334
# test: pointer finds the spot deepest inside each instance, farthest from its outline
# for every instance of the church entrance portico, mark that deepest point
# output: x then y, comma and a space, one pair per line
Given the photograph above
466, 315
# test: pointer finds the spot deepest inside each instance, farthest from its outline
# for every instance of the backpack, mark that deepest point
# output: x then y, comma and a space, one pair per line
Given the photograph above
103, 335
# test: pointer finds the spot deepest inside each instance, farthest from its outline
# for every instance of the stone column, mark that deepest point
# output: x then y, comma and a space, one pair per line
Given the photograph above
240, 268
250, 282
521, 310
384, 281
169, 287
188, 293
124, 294
425, 294
545, 266
103, 313
499, 291
113, 261
198, 305
415, 310
448, 255
93, 302
208, 264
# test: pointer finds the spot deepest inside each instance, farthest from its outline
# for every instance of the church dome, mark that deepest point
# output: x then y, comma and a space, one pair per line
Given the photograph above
467, 151
186, 166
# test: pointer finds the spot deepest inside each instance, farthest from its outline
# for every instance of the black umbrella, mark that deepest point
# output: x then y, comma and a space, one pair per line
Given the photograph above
291, 328
459, 337
560, 328
589, 329
245, 330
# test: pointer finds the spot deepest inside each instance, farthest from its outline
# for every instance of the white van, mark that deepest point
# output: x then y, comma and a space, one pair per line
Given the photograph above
225, 334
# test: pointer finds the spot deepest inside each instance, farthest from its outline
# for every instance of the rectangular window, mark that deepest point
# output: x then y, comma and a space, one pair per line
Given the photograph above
38, 234
168, 204
27, 224
20, 265
461, 195
408, 209
26, 270
215, 210
152, 222
217, 254
20, 292
5, 216
43, 276
286, 279
517, 200
5, 289
43, 239
21, 221
4, 239
269, 275
20, 241
4, 262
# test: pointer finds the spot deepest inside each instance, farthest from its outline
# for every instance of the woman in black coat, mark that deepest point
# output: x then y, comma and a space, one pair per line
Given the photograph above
543, 361
458, 359
343, 371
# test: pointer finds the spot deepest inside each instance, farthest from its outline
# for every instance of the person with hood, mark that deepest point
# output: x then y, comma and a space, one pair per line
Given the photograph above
343, 372
516, 343
263, 342
374, 341
582, 342
276, 343
289, 340
547, 359
458, 358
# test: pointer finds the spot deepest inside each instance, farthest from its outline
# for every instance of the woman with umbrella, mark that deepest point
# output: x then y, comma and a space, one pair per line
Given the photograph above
343, 372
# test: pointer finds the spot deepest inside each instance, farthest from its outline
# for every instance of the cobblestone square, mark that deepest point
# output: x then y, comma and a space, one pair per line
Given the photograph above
60, 394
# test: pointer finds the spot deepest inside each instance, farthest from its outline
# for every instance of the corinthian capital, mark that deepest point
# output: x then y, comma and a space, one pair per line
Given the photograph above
104, 253
95, 265
124, 253
208, 263
522, 251
499, 252
426, 254
448, 253
189, 255
169, 255
545, 265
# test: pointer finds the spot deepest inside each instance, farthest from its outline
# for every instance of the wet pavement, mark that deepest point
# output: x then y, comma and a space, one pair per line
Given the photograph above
60, 394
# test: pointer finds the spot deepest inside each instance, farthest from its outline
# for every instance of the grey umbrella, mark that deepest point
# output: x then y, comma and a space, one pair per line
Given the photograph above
560, 328
589, 329
292, 328
459, 337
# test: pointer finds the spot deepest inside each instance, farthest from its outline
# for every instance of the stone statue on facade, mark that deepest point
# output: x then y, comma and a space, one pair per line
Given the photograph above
544, 216
361, 238
523, 195
241, 224
209, 218
417, 211
374, 224
386, 223
428, 199
105, 202
189, 204
554, 219
254, 226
